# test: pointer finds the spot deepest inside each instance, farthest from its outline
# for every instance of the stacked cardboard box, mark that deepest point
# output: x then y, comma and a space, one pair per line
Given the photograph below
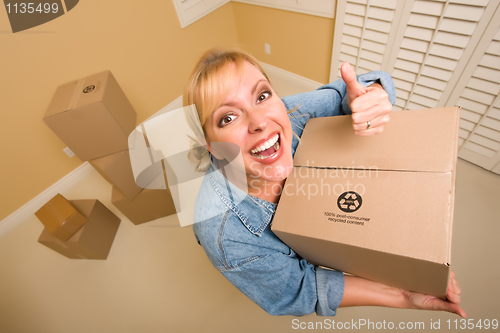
148, 205
116, 169
94, 118
91, 239
138, 204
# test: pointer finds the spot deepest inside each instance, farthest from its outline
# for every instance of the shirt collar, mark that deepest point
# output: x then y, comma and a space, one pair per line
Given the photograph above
254, 213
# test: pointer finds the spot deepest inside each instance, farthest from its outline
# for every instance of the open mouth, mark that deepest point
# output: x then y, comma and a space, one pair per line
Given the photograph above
267, 149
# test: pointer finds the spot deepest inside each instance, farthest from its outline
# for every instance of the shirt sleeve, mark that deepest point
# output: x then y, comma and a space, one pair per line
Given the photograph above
331, 99
288, 285
330, 286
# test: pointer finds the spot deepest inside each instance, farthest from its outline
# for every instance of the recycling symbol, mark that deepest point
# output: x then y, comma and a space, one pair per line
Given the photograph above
349, 202
88, 89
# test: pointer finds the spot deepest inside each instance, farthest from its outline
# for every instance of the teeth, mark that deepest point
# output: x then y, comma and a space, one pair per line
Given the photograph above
266, 145
276, 148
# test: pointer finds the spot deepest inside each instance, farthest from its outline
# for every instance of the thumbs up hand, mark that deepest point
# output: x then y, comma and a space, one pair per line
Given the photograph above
370, 105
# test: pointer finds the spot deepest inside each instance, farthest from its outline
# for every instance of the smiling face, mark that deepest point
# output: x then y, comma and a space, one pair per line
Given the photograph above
253, 117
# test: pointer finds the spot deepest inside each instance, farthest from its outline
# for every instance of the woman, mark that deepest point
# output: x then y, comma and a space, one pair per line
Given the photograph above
236, 104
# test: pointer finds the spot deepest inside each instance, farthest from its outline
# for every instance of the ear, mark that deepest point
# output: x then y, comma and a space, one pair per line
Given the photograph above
199, 141
214, 152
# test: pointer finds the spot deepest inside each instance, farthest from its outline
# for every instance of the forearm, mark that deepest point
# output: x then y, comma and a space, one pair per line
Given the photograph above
361, 292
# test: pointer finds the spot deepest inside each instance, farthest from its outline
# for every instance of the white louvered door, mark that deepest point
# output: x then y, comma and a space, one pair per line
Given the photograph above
439, 53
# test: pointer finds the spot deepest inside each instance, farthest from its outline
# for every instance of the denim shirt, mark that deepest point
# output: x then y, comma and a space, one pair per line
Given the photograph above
238, 240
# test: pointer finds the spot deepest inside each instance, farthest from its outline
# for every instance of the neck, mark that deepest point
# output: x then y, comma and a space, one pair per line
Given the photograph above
257, 187
265, 190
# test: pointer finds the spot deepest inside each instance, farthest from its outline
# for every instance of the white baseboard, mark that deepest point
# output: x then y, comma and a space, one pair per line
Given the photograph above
35, 204
286, 81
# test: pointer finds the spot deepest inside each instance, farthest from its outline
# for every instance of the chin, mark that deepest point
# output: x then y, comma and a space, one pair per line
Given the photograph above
277, 172
273, 169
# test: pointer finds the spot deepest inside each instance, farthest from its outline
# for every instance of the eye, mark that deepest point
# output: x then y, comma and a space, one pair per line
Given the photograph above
263, 96
226, 119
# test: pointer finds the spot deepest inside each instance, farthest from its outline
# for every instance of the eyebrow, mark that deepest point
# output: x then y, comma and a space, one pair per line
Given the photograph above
257, 84
252, 92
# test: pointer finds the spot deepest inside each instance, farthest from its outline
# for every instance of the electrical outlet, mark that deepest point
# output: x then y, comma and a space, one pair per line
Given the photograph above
68, 152
267, 48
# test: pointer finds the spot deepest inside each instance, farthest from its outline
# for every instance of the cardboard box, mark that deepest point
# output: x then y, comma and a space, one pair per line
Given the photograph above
60, 217
92, 116
147, 206
379, 207
93, 240
117, 170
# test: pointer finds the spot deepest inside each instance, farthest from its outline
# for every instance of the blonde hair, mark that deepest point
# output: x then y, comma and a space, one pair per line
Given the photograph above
211, 79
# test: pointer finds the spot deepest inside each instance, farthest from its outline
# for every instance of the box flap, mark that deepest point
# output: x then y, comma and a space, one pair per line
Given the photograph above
55, 212
60, 218
78, 93
414, 140
103, 225
63, 98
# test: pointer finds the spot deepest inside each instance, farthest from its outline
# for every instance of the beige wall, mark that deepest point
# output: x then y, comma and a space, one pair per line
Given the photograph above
149, 54
301, 44
144, 47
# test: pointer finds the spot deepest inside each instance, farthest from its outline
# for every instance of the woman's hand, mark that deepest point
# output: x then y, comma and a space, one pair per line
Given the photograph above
370, 105
426, 302
362, 292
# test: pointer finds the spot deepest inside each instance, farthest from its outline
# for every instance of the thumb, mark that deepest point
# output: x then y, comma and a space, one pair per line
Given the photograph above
354, 88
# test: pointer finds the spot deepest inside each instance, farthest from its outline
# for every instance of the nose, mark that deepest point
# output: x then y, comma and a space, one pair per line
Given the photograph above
257, 121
